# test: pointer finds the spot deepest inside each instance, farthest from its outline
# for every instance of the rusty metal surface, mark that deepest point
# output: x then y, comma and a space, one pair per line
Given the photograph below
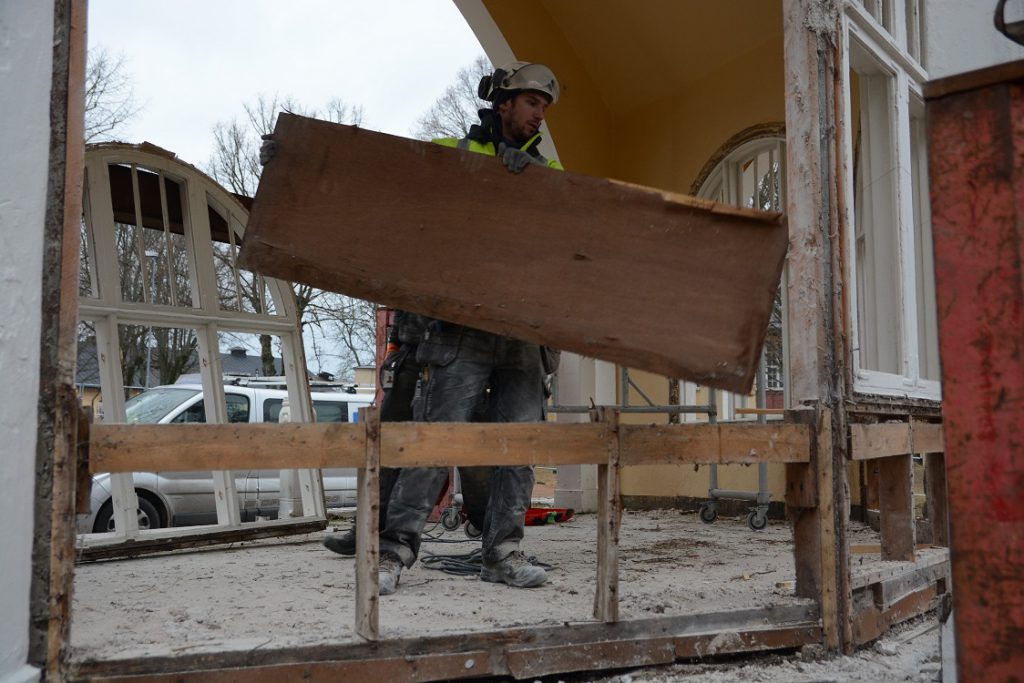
976, 139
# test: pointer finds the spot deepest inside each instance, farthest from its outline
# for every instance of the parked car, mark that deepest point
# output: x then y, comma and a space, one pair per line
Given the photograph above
186, 498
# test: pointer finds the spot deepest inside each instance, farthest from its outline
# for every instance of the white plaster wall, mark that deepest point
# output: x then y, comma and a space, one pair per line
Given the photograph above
960, 35
26, 39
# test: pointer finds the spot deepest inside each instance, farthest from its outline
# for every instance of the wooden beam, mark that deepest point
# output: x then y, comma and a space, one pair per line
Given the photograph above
609, 520
549, 276
936, 498
871, 441
870, 622
367, 607
168, 448
927, 437
809, 504
715, 443
523, 653
896, 507
57, 452
185, 447
153, 541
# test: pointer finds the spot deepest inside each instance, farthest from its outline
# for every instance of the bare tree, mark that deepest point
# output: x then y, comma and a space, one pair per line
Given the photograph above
109, 95
455, 111
348, 323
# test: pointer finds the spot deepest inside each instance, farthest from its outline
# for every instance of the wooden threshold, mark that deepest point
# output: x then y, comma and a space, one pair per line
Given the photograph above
150, 542
521, 653
169, 448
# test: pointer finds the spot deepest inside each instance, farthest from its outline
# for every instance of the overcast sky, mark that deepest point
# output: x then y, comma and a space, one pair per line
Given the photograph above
195, 62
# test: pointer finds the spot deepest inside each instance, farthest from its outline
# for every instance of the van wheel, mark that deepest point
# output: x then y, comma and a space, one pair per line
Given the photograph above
149, 516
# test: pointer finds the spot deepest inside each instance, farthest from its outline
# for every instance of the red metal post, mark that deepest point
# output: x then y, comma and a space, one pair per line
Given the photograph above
385, 319
976, 138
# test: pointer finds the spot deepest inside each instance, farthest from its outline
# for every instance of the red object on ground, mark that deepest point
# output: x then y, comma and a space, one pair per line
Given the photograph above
976, 139
540, 516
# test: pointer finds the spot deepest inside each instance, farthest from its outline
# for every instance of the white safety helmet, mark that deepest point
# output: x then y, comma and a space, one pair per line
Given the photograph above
517, 77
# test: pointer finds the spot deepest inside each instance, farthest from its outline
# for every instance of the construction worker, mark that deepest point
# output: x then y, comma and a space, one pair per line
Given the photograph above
399, 375
462, 364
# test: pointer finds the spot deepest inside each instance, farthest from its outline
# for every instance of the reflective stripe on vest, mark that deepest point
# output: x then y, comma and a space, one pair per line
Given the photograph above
488, 149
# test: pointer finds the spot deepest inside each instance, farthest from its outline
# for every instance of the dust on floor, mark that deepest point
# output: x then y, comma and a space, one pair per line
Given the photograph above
291, 592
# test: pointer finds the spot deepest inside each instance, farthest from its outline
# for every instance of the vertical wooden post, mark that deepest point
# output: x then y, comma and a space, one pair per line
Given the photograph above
936, 503
976, 168
817, 322
367, 531
810, 506
53, 547
896, 507
609, 519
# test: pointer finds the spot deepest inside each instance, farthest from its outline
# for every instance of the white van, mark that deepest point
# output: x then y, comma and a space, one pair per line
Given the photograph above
186, 498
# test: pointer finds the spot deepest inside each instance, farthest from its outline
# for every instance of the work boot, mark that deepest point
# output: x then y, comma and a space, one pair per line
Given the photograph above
343, 543
389, 573
515, 570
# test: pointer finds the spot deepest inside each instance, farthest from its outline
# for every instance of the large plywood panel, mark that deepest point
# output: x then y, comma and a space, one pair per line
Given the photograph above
660, 282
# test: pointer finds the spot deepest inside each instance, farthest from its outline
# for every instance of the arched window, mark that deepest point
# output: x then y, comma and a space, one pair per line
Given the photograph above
160, 288
749, 171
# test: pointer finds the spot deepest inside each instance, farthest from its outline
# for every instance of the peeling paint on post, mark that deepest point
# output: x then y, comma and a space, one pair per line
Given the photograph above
818, 358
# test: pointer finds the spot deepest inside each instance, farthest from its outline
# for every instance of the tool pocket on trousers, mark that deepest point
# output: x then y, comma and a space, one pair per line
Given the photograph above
439, 348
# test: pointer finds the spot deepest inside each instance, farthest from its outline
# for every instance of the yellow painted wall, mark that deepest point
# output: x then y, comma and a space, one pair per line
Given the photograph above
663, 143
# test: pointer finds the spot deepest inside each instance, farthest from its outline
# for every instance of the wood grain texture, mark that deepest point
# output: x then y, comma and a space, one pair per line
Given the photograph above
896, 507
870, 441
185, 447
661, 282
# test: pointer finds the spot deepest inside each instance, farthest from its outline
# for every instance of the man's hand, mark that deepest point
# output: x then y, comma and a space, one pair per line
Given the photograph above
267, 149
514, 159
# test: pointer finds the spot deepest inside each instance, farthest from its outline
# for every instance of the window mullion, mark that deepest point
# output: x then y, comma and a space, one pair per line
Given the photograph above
906, 258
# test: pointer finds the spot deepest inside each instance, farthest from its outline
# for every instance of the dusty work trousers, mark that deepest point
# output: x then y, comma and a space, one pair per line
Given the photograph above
396, 406
461, 363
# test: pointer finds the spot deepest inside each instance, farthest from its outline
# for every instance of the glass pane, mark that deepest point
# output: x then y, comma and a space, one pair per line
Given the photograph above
329, 411
876, 227
151, 406
927, 320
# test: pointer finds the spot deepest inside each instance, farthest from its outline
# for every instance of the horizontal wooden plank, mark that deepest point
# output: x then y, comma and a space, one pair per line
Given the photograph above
871, 441
109, 546
749, 640
540, 256
413, 668
710, 443
412, 444
170, 448
530, 651
928, 437
870, 622
188, 447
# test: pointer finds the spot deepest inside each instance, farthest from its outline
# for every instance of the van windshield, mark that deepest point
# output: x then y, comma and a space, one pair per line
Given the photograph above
151, 406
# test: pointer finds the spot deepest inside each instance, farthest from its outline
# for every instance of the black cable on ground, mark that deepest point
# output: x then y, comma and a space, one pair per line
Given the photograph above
466, 564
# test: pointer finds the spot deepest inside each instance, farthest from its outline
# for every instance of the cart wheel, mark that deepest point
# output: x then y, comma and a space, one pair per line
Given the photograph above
708, 513
472, 531
450, 519
756, 521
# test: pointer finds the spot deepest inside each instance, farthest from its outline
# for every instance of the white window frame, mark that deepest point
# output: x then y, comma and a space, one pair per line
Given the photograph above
860, 31
106, 308
723, 184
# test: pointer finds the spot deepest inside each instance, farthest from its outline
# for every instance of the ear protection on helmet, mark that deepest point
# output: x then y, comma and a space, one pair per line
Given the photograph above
490, 83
